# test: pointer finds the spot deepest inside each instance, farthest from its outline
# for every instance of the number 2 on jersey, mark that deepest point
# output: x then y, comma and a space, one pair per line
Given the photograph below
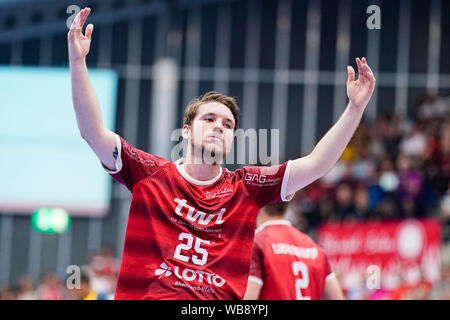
187, 246
299, 268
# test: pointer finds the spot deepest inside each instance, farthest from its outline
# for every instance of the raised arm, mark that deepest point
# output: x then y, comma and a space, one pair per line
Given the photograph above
253, 290
332, 290
87, 110
327, 152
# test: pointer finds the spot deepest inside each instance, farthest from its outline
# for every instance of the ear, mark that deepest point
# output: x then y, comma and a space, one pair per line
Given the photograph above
186, 132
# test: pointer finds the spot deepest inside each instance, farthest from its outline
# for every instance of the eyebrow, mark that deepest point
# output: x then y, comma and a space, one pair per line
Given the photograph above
213, 114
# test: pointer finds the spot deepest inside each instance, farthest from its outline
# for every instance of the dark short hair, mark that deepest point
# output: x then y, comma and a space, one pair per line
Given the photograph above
276, 209
85, 276
211, 96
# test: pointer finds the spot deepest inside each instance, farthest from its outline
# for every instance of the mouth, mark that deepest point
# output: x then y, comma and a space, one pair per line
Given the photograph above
215, 138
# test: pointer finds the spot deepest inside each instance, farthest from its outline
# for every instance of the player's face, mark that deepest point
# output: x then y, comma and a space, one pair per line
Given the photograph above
212, 129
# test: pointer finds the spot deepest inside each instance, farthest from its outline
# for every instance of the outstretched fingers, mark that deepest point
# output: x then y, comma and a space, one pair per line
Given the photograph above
351, 74
80, 19
362, 69
89, 29
365, 74
368, 73
371, 79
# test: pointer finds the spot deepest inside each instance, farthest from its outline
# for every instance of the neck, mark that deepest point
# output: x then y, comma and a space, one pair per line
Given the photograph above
199, 169
262, 218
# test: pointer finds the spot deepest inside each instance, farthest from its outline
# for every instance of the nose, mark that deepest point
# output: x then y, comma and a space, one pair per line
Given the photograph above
218, 126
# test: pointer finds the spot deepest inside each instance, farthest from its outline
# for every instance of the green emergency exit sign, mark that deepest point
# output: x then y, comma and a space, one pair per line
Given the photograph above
50, 220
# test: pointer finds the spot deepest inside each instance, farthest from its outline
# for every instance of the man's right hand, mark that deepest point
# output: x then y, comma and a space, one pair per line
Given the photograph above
78, 43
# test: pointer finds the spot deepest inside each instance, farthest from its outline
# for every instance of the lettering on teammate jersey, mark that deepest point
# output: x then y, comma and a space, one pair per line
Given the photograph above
305, 253
194, 215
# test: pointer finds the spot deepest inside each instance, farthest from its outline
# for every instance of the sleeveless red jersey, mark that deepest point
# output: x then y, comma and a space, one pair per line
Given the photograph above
185, 238
287, 263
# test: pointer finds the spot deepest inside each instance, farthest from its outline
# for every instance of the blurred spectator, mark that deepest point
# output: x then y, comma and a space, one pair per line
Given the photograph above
84, 291
26, 291
439, 161
414, 143
104, 269
50, 288
441, 290
295, 215
344, 204
7, 292
409, 190
430, 106
362, 208
420, 291
388, 179
445, 215
387, 209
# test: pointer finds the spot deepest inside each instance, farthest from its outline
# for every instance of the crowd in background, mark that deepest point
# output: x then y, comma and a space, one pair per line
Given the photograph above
394, 167
94, 281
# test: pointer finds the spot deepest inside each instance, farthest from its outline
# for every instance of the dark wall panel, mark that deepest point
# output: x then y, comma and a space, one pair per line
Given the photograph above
20, 247
389, 36
419, 36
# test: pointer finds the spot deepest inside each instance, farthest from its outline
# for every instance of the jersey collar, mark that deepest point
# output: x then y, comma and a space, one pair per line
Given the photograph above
192, 180
273, 222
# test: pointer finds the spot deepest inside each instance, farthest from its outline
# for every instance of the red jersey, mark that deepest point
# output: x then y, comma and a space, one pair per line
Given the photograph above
287, 263
185, 238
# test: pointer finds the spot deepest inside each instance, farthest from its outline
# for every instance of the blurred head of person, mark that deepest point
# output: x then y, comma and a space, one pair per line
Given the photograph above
344, 195
26, 290
362, 202
295, 214
403, 163
421, 291
386, 209
84, 291
25, 283
209, 125
429, 106
106, 251
50, 280
50, 288
8, 292
445, 138
445, 206
410, 181
386, 164
344, 201
274, 211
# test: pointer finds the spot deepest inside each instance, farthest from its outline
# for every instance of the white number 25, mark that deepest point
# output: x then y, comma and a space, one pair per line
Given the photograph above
197, 259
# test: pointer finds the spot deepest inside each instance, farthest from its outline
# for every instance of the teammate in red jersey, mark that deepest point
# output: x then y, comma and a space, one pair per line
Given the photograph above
191, 223
286, 263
